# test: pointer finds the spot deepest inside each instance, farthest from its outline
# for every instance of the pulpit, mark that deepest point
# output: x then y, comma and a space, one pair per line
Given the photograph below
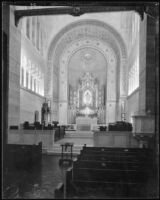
143, 124
144, 129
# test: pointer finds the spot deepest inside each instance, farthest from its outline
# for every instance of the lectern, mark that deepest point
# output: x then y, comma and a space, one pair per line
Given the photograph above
66, 153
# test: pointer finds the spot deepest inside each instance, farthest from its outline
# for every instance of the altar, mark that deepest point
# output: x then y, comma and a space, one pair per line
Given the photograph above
86, 103
85, 123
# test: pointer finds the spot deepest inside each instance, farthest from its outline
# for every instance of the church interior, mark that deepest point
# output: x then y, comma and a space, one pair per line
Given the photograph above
80, 103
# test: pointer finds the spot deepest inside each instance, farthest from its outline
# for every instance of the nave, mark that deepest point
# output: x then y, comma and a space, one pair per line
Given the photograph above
47, 179
80, 104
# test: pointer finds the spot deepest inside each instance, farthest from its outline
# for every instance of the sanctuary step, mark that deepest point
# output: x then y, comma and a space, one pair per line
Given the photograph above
56, 150
79, 134
79, 138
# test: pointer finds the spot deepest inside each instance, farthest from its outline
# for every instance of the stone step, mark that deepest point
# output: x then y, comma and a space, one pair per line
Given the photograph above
79, 134
56, 150
44, 150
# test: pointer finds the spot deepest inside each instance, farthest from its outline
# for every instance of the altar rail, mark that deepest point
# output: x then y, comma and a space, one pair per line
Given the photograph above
32, 137
114, 139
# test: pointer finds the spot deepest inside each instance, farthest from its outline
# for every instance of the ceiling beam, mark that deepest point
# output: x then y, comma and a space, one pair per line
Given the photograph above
74, 11
140, 8
79, 3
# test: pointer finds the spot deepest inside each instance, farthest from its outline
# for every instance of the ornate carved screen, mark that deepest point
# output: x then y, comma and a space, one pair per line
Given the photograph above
87, 91
88, 99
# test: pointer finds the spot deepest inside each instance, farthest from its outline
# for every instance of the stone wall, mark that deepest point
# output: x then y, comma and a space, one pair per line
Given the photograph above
132, 105
142, 64
150, 66
14, 72
4, 78
29, 103
147, 66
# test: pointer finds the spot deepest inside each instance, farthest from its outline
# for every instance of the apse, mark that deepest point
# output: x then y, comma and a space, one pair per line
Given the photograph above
87, 79
92, 47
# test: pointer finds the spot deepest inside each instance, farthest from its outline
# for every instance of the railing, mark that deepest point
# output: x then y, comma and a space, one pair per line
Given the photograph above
32, 137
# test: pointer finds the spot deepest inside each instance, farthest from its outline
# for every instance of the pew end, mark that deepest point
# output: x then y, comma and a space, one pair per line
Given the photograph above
59, 191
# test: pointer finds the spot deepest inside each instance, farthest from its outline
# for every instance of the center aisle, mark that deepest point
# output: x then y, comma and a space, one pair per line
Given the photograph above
79, 138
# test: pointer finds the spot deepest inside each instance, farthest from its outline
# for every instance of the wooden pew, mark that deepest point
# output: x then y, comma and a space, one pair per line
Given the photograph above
144, 156
115, 172
111, 158
109, 165
117, 182
23, 156
109, 175
107, 190
117, 150
58, 193
109, 153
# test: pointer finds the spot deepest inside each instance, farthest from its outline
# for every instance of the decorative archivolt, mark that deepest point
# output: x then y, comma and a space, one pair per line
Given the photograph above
85, 30
109, 55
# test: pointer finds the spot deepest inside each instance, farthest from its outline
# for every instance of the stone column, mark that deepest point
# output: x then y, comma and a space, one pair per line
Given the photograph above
142, 66
150, 66
48, 79
63, 97
121, 112
147, 75
147, 67
14, 72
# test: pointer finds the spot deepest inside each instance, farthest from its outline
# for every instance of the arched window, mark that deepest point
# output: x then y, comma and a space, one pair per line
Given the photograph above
33, 30
28, 27
31, 83
27, 77
22, 76
38, 33
36, 116
41, 42
38, 87
133, 77
34, 85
